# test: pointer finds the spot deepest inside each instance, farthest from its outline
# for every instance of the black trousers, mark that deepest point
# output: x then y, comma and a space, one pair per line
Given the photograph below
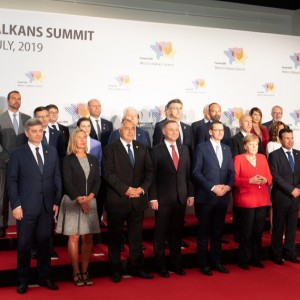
115, 222
285, 215
211, 219
169, 223
251, 223
34, 230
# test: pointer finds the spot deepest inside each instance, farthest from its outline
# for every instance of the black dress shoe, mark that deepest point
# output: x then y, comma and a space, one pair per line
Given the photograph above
221, 269
178, 271
257, 264
184, 244
54, 255
33, 254
49, 284
243, 266
116, 277
163, 273
277, 261
292, 259
141, 274
205, 270
22, 288
2, 232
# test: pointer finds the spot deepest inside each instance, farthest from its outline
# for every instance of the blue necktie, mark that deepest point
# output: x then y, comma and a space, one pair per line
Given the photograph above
44, 138
291, 161
130, 154
39, 159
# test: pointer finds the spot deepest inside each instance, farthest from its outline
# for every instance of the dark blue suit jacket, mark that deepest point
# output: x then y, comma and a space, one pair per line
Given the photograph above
202, 135
106, 130
207, 173
268, 124
27, 187
142, 136
96, 150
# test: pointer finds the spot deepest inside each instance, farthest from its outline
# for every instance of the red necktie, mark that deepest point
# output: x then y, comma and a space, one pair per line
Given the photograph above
174, 157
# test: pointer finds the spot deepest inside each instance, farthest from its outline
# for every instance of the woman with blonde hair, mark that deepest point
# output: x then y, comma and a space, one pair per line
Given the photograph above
78, 211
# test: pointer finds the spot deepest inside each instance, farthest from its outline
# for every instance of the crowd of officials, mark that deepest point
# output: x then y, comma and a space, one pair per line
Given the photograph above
48, 173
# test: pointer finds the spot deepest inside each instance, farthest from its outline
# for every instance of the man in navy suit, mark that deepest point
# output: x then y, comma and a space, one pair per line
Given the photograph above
202, 133
101, 128
142, 136
169, 194
285, 196
174, 112
11, 136
34, 190
128, 171
276, 114
213, 176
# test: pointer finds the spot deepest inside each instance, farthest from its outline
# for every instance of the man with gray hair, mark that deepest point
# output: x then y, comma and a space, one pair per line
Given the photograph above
276, 114
142, 136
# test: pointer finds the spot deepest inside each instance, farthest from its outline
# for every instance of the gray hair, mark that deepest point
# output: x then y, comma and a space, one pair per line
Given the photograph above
32, 122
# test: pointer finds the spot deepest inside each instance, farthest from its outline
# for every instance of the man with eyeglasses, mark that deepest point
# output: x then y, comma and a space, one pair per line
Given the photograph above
276, 114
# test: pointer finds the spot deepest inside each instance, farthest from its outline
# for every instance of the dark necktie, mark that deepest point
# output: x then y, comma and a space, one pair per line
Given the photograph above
54, 127
291, 161
130, 154
98, 130
174, 157
15, 124
44, 138
39, 159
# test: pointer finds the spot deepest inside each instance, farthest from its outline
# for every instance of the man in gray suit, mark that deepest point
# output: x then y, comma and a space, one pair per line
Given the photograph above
11, 136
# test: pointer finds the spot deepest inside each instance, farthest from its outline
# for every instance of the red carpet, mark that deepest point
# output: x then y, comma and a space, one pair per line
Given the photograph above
274, 282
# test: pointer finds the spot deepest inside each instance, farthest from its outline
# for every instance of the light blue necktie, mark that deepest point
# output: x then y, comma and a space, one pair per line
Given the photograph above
15, 124
291, 161
219, 154
130, 154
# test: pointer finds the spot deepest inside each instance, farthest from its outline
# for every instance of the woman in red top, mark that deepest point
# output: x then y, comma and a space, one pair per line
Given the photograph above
251, 199
258, 129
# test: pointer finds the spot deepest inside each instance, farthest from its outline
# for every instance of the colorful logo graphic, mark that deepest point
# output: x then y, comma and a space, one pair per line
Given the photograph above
199, 84
296, 59
296, 116
77, 111
235, 55
34, 76
123, 80
233, 114
163, 49
269, 87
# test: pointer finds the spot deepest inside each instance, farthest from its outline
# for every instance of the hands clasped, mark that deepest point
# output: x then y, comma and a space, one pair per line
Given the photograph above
134, 192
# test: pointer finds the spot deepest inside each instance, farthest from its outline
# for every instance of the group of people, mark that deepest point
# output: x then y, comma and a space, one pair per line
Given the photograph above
48, 173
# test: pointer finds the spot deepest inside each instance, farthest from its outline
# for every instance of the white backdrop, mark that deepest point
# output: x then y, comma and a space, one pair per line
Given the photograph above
67, 60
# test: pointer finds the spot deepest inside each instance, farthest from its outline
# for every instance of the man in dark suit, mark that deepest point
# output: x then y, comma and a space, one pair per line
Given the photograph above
285, 195
202, 133
169, 194
276, 114
101, 128
174, 112
237, 139
142, 136
213, 176
53, 117
34, 190
128, 171
206, 119
11, 136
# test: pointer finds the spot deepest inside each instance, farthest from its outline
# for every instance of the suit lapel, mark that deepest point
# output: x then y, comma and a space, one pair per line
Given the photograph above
213, 153
124, 153
168, 156
31, 157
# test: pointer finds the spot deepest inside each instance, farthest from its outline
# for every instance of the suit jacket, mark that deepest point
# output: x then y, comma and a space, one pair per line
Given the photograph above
74, 179
202, 135
96, 150
8, 138
142, 136
268, 124
64, 130
56, 140
27, 187
237, 146
284, 181
120, 175
207, 173
106, 130
195, 126
186, 130
170, 185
